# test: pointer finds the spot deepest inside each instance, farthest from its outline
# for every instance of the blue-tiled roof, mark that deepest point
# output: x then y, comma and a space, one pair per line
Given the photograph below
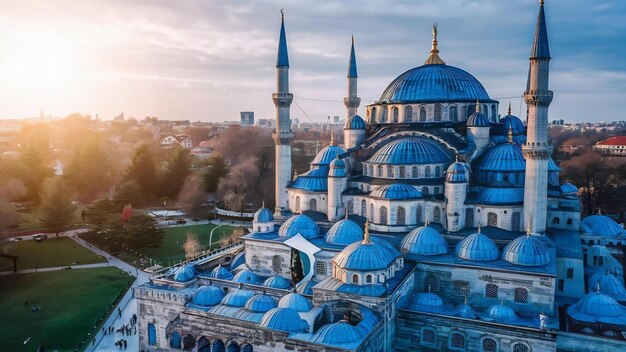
466, 311
424, 301
344, 232
305, 287
352, 64
315, 180
424, 240
601, 225
356, 122
185, 273
327, 154
295, 301
283, 56
458, 172
263, 215
409, 150
430, 83
478, 119
337, 168
366, 256
261, 303
569, 189
477, 247
396, 191
338, 333
284, 319
501, 313
609, 285
499, 196
237, 297
514, 123
277, 281
526, 250
597, 307
503, 157
299, 224
207, 295
246, 276
220, 272
541, 49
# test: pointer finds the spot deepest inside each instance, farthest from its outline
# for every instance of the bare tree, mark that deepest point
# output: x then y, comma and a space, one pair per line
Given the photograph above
233, 237
239, 183
192, 246
191, 195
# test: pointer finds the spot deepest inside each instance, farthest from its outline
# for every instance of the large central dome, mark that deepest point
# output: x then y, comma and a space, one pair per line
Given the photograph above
432, 83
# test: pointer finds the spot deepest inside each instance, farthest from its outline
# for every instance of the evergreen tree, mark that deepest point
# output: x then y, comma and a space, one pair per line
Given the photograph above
216, 170
173, 176
35, 172
88, 171
57, 210
139, 232
143, 170
128, 192
297, 272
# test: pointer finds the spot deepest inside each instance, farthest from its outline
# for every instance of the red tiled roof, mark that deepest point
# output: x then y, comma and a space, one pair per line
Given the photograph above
617, 140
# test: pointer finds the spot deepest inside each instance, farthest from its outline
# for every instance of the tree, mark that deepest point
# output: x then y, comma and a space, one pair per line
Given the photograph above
216, 170
128, 192
239, 183
36, 172
88, 171
142, 170
141, 232
10, 190
102, 213
173, 176
297, 272
57, 210
191, 196
8, 217
192, 246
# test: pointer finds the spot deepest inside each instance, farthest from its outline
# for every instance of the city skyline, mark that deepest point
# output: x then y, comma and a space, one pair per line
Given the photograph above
208, 61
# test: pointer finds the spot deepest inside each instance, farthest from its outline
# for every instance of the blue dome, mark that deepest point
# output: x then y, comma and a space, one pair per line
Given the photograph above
409, 150
609, 285
569, 189
305, 287
356, 122
597, 307
478, 247
458, 172
283, 319
466, 311
185, 273
327, 154
424, 299
261, 303
396, 191
277, 282
368, 256
514, 123
424, 240
220, 272
526, 250
337, 168
299, 224
344, 232
601, 225
503, 157
246, 276
431, 83
237, 297
296, 302
207, 295
497, 196
337, 333
478, 119
501, 312
263, 215
315, 180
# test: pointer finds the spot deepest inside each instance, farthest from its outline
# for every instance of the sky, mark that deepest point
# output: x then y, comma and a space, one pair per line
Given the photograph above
208, 60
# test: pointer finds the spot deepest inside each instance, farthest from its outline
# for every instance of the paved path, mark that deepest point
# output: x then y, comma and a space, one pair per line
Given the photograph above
54, 268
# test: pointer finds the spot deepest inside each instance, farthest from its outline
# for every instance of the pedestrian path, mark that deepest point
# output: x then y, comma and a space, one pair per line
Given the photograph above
54, 268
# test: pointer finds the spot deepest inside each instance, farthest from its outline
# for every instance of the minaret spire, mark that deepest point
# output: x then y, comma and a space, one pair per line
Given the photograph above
434, 58
352, 101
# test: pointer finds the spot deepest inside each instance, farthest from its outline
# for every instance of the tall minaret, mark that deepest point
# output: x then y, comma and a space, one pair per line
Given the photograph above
352, 102
536, 150
283, 134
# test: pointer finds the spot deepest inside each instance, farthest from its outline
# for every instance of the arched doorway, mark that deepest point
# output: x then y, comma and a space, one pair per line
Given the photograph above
204, 345
232, 347
217, 346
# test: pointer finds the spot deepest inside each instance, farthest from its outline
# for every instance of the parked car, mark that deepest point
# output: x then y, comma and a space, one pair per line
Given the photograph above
15, 239
40, 236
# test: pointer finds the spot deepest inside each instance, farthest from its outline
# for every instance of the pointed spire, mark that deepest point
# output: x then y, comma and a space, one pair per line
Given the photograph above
509, 112
510, 135
541, 49
434, 58
477, 106
352, 65
332, 137
366, 234
283, 57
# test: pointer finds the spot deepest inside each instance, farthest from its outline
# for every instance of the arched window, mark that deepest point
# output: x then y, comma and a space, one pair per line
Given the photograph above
461, 288
427, 172
402, 172
429, 337
175, 340
422, 113
373, 115
189, 342
520, 347
570, 221
383, 215
556, 221
363, 208
431, 283
232, 347
425, 191
418, 214
297, 205
151, 334
457, 341
204, 345
437, 171
355, 278
492, 219
395, 112
437, 215
401, 216
371, 212
469, 217
414, 172
246, 348
383, 114
408, 113
521, 295
379, 170
277, 264
217, 346
515, 221
437, 112
368, 279
452, 112
320, 268
390, 171
489, 345
350, 207
313, 205
494, 113
255, 262
491, 291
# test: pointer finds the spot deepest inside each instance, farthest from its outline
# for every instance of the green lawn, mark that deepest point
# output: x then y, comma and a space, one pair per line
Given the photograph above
50, 252
72, 301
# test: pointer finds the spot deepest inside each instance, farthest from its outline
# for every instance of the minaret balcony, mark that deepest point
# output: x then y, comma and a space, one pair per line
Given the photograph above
537, 97
282, 99
352, 102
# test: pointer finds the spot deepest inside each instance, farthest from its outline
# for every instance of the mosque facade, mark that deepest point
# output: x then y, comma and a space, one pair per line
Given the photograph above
437, 226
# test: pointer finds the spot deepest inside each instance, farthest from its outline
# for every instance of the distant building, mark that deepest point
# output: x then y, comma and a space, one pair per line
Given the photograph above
119, 118
180, 139
267, 123
614, 146
247, 118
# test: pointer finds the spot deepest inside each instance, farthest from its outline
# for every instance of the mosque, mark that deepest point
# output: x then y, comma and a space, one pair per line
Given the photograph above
437, 226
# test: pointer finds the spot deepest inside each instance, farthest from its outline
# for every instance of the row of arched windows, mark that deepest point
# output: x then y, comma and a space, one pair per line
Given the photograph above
312, 205
457, 342
404, 172
401, 216
188, 343
520, 294
492, 219
408, 114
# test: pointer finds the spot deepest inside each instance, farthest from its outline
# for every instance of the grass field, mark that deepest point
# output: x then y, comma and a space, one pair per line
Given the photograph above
51, 252
72, 301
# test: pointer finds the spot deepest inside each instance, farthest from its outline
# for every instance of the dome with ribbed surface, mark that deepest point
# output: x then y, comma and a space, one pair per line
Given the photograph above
458, 172
396, 191
477, 247
277, 281
424, 240
327, 154
409, 150
237, 297
283, 319
220, 272
356, 122
361, 256
305, 287
424, 299
499, 196
337, 168
246, 276
526, 250
261, 303
609, 285
501, 312
503, 157
185, 273
601, 225
344, 232
433, 83
514, 123
337, 333
263, 215
466, 311
597, 307
315, 180
295, 301
478, 119
299, 224
207, 296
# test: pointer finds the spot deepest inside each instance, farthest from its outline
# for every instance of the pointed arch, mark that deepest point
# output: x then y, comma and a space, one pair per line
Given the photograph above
453, 114
408, 113
373, 115
383, 215
437, 215
401, 216
422, 114
438, 114
395, 113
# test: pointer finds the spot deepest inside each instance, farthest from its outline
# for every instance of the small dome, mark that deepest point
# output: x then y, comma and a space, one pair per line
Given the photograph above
327, 154
185, 273
246, 276
344, 232
466, 311
337, 333
424, 240
409, 150
514, 123
502, 157
458, 172
425, 299
261, 303
478, 119
597, 307
207, 296
283, 319
396, 191
263, 215
609, 285
237, 297
296, 302
526, 250
367, 256
220, 272
337, 168
356, 122
601, 225
305, 287
569, 189
478, 247
501, 312
277, 281
299, 224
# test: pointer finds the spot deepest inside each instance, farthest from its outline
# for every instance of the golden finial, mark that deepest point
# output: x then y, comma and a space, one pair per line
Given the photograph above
346, 214
477, 106
427, 223
263, 204
366, 234
599, 211
282, 15
510, 134
529, 227
434, 58
332, 137
509, 113
598, 287
295, 175
429, 289
541, 2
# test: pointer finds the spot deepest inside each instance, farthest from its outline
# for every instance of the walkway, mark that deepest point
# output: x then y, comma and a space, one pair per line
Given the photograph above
54, 268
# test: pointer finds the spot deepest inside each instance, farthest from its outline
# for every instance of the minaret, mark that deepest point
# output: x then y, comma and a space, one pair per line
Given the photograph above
352, 102
536, 150
283, 134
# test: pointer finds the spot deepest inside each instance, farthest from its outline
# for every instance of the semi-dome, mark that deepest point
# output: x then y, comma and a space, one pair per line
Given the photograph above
513, 123
367, 255
277, 281
597, 307
609, 285
296, 302
569, 189
478, 247
315, 180
458, 172
478, 119
501, 312
434, 83
299, 224
409, 150
263, 215
261, 303
526, 250
337, 333
601, 225
283, 319
396, 191
246, 276
185, 273
327, 154
424, 240
344, 232
337, 168
237, 297
207, 296
503, 157
356, 122
220, 272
